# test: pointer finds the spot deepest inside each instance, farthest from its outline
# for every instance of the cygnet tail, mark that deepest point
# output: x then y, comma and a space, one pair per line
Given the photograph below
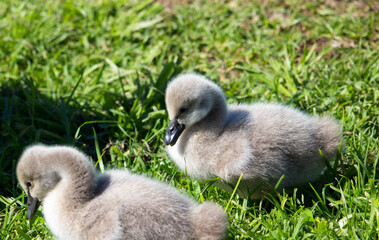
209, 221
330, 135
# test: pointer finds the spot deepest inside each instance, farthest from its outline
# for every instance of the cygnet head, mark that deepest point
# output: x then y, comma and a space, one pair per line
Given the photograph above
189, 99
38, 171
35, 177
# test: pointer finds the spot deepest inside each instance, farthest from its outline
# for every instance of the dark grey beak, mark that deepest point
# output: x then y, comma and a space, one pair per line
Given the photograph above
173, 132
33, 204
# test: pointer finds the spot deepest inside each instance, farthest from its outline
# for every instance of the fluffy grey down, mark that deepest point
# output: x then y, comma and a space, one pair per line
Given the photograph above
79, 204
262, 141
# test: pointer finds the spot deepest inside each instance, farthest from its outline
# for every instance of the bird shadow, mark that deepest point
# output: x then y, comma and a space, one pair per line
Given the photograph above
101, 184
28, 116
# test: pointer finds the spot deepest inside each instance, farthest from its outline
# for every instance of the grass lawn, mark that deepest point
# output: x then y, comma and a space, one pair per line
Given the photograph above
92, 74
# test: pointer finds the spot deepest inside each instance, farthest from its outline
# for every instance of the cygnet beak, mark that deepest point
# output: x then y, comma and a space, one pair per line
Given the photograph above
173, 132
33, 204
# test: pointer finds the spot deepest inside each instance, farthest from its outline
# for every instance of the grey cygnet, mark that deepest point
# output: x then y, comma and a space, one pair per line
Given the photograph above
79, 204
263, 141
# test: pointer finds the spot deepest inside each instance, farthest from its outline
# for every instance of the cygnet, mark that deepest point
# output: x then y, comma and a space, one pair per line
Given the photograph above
206, 138
79, 204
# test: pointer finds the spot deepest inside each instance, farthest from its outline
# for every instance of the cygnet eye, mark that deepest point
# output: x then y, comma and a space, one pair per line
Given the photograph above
183, 110
29, 184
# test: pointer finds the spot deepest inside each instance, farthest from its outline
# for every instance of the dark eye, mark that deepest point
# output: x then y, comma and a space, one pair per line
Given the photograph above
183, 110
29, 184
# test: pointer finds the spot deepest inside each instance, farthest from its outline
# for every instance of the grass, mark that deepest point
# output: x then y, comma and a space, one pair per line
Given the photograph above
92, 74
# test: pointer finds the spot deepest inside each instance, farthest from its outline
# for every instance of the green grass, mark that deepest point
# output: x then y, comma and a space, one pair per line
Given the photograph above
92, 74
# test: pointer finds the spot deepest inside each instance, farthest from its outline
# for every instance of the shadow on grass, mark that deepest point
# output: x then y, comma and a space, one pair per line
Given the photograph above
28, 116
327, 189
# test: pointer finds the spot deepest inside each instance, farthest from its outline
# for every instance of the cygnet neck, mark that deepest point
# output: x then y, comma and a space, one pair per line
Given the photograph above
215, 120
78, 175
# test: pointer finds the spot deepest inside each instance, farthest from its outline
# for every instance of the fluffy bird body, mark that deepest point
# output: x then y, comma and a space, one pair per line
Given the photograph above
262, 141
78, 204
